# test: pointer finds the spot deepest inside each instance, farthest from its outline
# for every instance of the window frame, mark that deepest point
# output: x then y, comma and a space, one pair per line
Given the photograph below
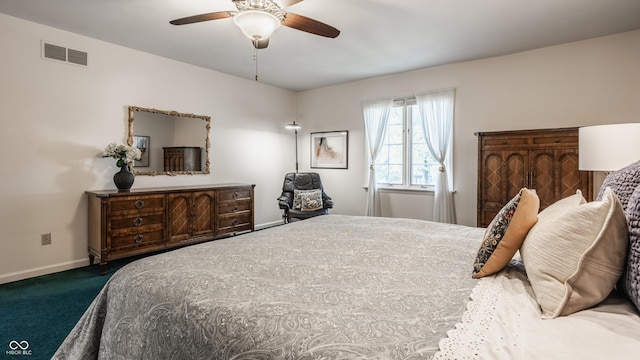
407, 131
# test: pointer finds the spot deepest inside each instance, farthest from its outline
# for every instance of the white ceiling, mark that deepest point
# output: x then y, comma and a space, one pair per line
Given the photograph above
378, 37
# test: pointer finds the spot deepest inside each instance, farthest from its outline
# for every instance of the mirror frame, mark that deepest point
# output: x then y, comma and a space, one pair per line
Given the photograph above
206, 119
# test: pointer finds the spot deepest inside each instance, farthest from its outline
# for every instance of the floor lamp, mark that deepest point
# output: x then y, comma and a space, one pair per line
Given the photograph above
295, 127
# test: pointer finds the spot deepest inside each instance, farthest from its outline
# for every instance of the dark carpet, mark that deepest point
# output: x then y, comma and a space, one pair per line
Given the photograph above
37, 314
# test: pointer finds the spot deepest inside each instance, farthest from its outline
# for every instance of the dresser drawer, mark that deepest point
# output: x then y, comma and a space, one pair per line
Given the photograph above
136, 204
134, 222
491, 142
563, 140
234, 223
234, 208
233, 194
138, 240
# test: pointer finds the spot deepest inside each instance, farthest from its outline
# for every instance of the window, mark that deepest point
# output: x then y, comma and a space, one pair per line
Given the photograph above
405, 160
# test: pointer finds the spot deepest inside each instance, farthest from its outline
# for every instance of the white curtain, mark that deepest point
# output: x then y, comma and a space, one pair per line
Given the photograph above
376, 116
436, 113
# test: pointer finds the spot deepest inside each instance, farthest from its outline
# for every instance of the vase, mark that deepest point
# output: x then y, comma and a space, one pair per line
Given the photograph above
124, 178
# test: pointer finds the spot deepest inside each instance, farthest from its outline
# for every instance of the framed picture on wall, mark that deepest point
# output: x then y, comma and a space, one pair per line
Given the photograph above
142, 143
330, 150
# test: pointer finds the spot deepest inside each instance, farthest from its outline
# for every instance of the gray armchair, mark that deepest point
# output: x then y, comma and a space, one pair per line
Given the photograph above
301, 181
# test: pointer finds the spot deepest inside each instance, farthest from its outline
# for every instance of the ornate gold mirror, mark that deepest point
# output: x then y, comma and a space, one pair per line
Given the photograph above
171, 143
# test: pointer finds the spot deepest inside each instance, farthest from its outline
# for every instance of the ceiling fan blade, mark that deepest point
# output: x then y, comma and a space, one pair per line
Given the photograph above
202, 17
309, 25
260, 44
286, 3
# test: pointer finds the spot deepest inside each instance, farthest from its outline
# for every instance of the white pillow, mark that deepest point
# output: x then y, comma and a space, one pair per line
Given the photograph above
575, 253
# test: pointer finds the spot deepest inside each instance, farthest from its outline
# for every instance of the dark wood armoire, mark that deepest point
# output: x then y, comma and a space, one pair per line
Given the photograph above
182, 158
545, 160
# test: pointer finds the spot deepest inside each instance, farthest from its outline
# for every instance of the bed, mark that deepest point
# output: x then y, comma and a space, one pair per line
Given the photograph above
328, 287
349, 287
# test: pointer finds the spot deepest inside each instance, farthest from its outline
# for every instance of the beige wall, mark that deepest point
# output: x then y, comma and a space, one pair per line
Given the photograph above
584, 83
56, 119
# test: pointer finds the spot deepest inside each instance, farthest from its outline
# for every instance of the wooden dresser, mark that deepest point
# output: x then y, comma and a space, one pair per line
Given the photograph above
139, 221
544, 160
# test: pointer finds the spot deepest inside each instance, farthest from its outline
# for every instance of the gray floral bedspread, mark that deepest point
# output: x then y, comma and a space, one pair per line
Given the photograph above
331, 287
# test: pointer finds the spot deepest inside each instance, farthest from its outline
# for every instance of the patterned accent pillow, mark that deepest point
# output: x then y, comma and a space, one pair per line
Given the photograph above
575, 254
623, 182
631, 279
297, 200
506, 233
311, 200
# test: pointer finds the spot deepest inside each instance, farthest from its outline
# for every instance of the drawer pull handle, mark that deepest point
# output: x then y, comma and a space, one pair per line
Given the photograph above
138, 238
234, 222
557, 141
139, 204
235, 195
137, 221
235, 208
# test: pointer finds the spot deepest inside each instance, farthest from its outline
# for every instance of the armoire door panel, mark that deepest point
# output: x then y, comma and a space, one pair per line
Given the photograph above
543, 176
569, 175
516, 174
492, 186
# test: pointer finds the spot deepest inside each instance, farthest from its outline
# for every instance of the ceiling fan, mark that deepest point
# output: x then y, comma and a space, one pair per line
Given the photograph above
258, 19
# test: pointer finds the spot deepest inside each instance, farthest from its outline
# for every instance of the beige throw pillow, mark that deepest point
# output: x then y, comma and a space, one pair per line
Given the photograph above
575, 253
506, 233
563, 205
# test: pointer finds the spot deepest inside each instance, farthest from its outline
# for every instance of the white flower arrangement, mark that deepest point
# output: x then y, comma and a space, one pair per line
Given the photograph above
125, 154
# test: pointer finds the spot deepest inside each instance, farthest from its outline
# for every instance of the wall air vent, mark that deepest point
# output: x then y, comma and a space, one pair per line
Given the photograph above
55, 52
77, 57
59, 53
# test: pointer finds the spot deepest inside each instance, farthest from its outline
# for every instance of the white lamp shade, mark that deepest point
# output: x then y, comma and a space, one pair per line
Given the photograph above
293, 126
256, 24
608, 147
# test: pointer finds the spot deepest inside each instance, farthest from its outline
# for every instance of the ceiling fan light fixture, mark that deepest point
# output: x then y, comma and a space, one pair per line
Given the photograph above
257, 24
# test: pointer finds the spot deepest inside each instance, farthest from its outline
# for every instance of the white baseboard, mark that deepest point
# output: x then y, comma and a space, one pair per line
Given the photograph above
45, 270
269, 224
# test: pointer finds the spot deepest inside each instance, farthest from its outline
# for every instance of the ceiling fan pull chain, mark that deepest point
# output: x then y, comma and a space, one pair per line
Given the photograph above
255, 58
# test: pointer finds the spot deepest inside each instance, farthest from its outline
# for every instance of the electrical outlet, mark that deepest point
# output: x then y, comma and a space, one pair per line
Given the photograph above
45, 239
